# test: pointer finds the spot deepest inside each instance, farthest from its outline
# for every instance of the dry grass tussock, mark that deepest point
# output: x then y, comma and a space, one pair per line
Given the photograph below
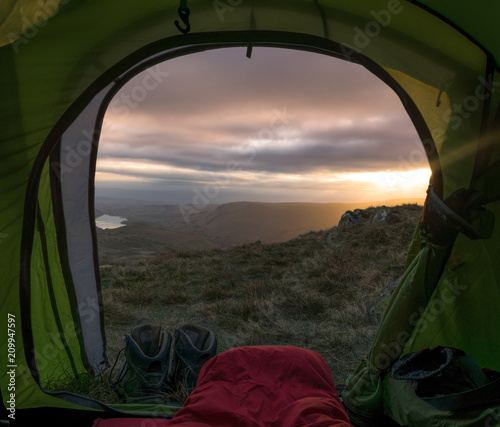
314, 291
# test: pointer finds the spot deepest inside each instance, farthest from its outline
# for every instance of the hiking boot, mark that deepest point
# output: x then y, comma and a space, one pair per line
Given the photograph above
193, 346
144, 375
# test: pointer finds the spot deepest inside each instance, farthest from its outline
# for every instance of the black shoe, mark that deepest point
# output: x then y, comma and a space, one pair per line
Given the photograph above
193, 346
143, 378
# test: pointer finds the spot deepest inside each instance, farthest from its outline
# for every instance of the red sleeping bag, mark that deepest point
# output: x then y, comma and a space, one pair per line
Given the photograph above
278, 386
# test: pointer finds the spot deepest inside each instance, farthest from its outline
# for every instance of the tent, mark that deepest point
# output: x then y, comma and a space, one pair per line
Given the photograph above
63, 60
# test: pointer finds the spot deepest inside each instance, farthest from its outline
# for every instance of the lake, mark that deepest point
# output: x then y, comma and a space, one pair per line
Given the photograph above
109, 221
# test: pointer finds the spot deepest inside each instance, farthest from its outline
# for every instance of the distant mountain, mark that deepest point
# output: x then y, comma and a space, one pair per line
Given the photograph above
169, 216
116, 206
245, 222
156, 228
116, 201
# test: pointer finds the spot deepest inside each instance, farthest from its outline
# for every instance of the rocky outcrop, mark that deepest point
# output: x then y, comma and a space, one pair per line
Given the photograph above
379, 214
383, 214
349, 218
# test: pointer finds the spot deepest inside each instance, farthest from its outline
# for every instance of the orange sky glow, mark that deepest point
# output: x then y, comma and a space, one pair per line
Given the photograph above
281, 126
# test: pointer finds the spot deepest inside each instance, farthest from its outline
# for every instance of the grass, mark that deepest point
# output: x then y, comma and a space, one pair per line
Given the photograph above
315, 291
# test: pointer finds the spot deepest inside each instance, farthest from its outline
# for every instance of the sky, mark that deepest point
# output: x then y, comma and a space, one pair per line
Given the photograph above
283, 125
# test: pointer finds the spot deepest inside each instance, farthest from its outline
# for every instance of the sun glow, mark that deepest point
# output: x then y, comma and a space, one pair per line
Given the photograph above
393, 180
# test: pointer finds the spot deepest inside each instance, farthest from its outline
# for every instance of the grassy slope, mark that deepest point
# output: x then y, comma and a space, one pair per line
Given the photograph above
313, 291
138, 240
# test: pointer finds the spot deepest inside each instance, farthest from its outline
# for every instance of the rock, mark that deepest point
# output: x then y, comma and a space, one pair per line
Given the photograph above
349, 218
360, 214
383, 214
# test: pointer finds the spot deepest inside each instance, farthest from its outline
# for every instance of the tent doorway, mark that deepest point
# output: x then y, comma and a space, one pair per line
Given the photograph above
171, 135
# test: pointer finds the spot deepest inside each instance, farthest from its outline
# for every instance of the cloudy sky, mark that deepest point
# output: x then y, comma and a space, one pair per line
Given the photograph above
281, 126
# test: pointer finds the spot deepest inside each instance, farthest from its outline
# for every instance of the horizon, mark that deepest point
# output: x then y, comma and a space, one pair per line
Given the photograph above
133, 211
284, 126
159, 202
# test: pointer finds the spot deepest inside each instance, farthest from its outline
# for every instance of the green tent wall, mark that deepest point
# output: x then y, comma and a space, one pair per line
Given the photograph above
61, 62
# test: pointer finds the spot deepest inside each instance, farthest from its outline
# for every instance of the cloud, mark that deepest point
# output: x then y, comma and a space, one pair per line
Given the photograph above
280, 113
221, 78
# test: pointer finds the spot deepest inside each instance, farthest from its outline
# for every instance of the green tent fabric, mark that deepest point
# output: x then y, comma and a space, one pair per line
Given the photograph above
63, 60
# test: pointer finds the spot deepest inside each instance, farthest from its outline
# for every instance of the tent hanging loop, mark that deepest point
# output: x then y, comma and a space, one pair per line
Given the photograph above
249, 50
183, 12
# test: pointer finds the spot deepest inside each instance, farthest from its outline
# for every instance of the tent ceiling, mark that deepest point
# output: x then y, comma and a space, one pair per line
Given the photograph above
476, 19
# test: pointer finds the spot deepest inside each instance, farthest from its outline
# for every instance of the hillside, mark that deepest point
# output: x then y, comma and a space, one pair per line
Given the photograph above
168, 216
246, 222
316, 291
138, 240
155, 228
